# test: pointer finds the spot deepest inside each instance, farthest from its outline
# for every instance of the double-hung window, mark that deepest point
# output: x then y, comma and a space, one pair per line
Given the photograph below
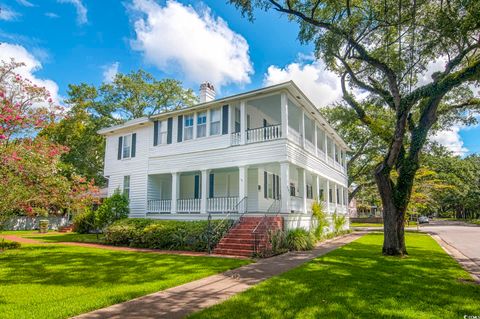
126, 186
309, 191
202, 124
188, 127
127, 146
162, 132
215, 122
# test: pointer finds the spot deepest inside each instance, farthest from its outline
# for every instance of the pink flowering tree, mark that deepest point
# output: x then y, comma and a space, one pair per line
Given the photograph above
33, 179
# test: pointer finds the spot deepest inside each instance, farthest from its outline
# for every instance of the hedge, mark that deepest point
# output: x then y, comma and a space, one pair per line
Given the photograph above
166, 234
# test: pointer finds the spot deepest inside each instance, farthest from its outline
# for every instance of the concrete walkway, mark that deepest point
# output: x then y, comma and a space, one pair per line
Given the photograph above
178, 302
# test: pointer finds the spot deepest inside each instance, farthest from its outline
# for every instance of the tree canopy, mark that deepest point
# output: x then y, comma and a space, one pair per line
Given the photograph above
128, 96
383, 48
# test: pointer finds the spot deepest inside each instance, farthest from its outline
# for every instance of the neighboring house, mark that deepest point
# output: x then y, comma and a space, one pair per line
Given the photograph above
267, 150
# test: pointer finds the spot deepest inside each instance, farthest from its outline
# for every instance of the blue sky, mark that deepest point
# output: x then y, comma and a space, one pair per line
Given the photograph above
74, 41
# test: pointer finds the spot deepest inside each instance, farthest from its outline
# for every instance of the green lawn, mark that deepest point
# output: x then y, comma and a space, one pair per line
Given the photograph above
56, 237
356, 281
376, 225
54, 281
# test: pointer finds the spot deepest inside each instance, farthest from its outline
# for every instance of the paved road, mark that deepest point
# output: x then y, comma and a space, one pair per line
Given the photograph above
464, 237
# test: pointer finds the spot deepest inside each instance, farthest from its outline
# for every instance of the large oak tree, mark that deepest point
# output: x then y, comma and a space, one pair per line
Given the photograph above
383, 48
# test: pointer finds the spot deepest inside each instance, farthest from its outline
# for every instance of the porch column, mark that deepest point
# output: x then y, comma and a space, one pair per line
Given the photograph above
284, 114
242, 183
302, 128
175, 192
303, 186
335, 197
317, 190
327, 197
203, 192
243, 122
326, 146
315, 139
285, 186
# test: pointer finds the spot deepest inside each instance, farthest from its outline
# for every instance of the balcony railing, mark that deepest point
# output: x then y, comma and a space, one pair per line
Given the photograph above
261, 134
222, 204
160, 206
191, 205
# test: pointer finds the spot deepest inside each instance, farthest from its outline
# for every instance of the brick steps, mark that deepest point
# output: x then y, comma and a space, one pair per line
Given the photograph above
240, 240
65, 229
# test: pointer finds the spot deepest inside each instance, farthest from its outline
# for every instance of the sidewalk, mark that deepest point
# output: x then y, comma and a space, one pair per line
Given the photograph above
178, 302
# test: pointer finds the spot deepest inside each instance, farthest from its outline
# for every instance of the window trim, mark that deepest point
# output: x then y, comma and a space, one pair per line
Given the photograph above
126, 189
200, 125
130, 146
212, 111
190, 127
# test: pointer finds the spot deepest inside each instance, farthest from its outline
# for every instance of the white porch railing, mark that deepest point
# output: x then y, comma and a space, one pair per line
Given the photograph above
191, 205
236, 138
221, 204
294, 136
309, 146
159, 206
296, 203
321, 153
262, 134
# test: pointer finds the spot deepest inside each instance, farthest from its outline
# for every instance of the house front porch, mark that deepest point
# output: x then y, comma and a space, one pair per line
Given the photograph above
246, 189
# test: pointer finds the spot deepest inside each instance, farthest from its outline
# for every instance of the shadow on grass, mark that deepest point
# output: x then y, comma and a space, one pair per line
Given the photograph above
356, 281
86, 267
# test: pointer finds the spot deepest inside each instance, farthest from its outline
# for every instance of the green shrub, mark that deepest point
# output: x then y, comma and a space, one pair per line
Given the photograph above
299, 239
278, 243
85, 222
166, 234
112, 209
338, 222
5, 245
321, 218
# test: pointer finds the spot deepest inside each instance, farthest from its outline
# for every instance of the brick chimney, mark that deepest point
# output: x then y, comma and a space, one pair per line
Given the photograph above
207, 92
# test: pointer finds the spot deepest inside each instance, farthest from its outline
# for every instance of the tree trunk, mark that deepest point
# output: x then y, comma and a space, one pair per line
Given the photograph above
393, 217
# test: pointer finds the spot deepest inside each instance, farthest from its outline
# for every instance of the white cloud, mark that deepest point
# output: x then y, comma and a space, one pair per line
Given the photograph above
7, 13
320, 85
52, 15
25, 3
81, 10
32, 65
177, 38
109, 71
451, 139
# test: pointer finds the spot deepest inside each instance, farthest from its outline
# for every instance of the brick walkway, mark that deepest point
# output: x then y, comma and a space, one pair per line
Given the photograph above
178, 302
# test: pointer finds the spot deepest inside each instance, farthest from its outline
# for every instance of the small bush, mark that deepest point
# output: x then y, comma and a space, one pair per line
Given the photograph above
338, 222
166, 234
321, 218
299, 239
5, 245
112, 209
85, 222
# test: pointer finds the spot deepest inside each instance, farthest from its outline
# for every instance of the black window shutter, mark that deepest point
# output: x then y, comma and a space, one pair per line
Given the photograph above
155, 133
278, 187
265, 183
169, 130
225, 119
211, 186
134, 144
274, 186
197, 187
120, 140
180, 128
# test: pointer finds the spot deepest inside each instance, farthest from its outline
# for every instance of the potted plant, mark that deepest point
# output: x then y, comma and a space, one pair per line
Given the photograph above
43, 222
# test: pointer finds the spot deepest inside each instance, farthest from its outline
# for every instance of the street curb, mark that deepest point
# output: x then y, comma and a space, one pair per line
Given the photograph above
468, 264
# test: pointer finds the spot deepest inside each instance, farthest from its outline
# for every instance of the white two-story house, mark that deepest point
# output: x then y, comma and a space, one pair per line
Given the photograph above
263, 151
